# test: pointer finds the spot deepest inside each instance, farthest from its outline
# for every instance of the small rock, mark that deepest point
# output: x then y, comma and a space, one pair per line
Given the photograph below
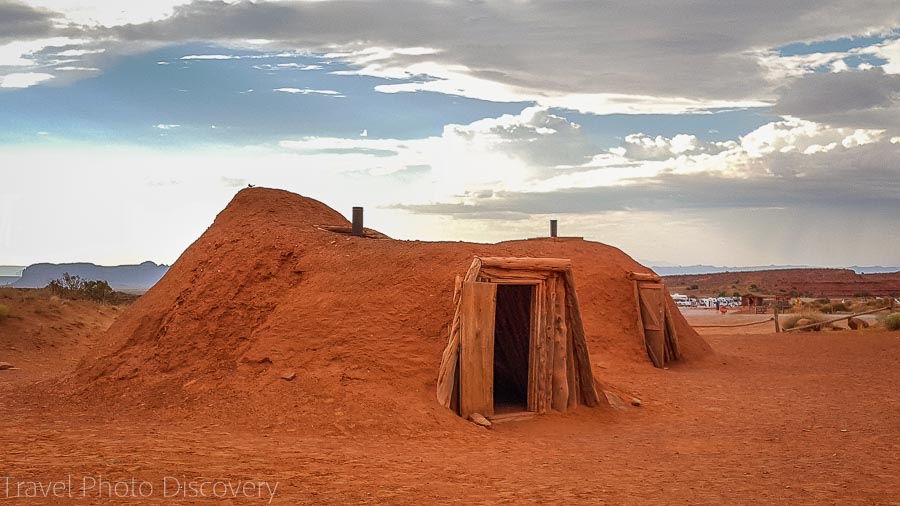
636, 402
289, 376
6, 365
857, 323
478, 419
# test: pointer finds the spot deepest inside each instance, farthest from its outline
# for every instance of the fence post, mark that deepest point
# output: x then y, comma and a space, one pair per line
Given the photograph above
777, 323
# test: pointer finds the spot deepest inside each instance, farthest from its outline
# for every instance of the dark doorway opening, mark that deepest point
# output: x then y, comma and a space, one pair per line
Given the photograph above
512, 343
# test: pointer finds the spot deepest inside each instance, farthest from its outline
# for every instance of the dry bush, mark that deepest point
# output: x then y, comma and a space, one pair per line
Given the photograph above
4, 312
835, 307
870, 304
76, 288
891, 321
791, 321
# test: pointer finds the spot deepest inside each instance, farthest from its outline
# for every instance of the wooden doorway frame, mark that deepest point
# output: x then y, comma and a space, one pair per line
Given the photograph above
559, 371
655, 323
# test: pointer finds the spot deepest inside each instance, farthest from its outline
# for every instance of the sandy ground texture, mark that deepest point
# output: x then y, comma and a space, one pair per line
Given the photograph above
785, 419
808, 420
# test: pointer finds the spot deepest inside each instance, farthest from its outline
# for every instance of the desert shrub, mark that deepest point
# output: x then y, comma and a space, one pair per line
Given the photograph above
791, 321
4, 312
74, 287
835, 307
694, 287
892, 321
869, 304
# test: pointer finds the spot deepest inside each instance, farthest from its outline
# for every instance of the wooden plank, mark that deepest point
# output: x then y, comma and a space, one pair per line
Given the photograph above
506, 281
549, 347
448, 375
571, 375
671, 334
640, 318
534, 264
513, 417
511, 274
560, 399
587, 391
640, 276
534, 347
653, 315
476, 363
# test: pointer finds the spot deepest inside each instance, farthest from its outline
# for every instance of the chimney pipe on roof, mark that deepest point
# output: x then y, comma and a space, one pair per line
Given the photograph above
358, 222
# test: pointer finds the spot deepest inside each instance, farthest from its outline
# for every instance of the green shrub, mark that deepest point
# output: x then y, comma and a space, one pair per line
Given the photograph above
892, 321
4, 312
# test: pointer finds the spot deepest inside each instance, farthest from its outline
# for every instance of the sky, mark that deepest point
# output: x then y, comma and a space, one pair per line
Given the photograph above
710, 131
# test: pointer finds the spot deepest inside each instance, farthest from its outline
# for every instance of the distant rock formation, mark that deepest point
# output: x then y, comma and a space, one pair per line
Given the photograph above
119, 277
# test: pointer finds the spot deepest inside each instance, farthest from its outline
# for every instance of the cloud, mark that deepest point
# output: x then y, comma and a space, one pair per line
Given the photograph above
166, 126
788, 164
23, 79
78, 69
514, 149
234, 182
866, 99
307, 91
591, 57
707, 52
673, 192
643, 147
20, 21
210, 57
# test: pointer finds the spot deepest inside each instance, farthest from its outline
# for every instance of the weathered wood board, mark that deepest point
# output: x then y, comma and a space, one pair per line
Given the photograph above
478, 303
653, 315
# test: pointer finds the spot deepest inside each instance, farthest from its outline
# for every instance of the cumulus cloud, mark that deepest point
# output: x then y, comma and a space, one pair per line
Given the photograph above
791, 163
513, 148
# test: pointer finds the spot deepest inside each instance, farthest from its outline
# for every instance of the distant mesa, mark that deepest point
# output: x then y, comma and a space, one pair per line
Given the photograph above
679, 270
120, 277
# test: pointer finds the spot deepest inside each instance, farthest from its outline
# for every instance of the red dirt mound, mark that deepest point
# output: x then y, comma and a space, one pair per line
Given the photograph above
45, 335
267, 316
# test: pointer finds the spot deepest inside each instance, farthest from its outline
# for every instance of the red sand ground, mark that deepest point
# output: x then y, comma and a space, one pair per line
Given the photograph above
186, 392
806, 282
45, 335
